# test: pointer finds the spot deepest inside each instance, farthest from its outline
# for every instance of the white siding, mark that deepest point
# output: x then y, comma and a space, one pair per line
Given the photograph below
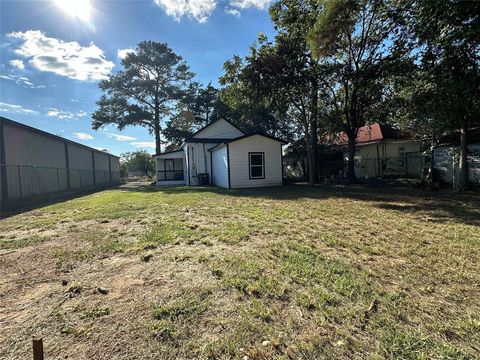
199, 160
220, 167
239, 166
220, 129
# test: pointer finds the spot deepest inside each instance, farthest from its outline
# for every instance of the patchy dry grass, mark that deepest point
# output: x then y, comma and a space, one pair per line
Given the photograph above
288, 273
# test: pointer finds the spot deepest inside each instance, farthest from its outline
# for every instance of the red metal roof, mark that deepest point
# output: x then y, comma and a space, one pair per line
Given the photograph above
371, 133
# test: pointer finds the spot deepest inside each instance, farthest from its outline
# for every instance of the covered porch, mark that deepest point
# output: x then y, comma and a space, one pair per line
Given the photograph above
171, 168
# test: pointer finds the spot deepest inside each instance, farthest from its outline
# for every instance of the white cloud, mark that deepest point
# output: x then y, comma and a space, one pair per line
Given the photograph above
245, 4
12, 108
202, 9
21, 80
70, 59
83, 136
198, 9
143, 144
64, 115
17, 63
121, 137
122, 53
233, 12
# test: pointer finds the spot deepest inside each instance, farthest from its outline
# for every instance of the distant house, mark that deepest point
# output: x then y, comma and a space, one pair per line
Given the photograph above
380, 150
221, 154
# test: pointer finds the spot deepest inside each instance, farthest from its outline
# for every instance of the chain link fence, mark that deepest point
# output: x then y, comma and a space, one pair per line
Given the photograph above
412, 165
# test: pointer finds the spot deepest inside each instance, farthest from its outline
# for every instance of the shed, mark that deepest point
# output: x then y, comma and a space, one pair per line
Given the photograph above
221, 154
248, 161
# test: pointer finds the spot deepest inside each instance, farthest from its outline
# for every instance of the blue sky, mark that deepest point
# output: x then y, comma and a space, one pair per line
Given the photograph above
53, 53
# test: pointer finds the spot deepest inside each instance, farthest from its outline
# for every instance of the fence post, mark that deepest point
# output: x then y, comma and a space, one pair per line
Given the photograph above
37, 349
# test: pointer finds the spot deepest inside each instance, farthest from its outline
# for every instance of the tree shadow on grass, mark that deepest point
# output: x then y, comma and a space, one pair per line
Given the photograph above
436, 206
39, 201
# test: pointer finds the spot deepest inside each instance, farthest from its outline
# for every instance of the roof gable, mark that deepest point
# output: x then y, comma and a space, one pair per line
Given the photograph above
220, 129
248, 136
371, 133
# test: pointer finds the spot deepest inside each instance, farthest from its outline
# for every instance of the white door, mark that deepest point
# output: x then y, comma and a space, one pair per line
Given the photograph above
220, 167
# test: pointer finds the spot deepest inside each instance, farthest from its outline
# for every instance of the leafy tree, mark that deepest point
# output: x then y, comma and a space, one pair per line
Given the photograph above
253, 105
277, 84
204, 105
198, 107
123, 170
361, 43
140, 161
180, 126
302, 75
154, 78
448, 50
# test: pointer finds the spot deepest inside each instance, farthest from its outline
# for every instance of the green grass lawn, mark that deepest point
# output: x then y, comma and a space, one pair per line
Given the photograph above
291, 272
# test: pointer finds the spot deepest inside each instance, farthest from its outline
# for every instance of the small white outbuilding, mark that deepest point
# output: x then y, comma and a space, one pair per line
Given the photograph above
223, 155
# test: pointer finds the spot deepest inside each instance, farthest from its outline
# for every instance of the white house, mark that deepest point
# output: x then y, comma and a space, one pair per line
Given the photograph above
221, 154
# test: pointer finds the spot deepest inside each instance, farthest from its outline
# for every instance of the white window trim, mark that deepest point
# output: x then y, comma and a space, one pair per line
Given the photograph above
250, 166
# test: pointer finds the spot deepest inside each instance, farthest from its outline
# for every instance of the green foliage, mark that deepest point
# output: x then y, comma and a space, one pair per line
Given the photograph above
443, 94
444, 88
253, 104
198, 107
153, 79
361, 44
276, 86
139, 161
326, 35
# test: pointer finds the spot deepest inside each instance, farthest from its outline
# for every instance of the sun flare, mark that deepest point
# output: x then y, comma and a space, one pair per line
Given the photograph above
80, 9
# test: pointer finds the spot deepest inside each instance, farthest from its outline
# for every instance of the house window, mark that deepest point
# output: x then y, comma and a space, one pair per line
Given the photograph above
257, 165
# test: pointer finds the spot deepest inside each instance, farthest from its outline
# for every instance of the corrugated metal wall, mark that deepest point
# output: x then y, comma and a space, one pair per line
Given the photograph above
33, 162
80, 163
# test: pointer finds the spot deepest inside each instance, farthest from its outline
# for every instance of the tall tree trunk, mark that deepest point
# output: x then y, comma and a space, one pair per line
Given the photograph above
156, 129
351, 178
314, 134
158, 148
463, 164
310, 162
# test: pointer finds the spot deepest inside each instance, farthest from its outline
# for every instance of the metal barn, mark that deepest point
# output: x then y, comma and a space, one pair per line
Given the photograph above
36, 165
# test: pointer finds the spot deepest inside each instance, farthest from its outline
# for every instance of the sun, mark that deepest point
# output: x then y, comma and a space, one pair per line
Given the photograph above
80, 9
